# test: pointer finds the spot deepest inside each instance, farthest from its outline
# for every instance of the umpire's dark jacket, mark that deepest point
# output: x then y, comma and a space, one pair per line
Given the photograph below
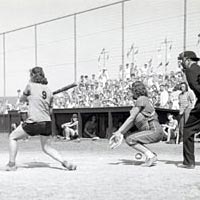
193, 78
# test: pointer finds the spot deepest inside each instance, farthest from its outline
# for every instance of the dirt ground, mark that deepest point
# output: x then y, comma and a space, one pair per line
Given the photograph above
102, 173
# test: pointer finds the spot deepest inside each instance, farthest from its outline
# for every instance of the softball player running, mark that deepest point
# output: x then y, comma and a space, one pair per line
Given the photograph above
144, 117
39, 99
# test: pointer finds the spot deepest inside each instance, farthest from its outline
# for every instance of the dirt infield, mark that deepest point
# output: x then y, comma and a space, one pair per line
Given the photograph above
102, 173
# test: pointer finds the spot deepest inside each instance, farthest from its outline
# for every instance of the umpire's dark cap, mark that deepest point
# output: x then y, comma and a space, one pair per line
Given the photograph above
188, 54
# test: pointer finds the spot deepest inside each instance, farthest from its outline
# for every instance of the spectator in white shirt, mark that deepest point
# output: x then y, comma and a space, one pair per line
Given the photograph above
164, 97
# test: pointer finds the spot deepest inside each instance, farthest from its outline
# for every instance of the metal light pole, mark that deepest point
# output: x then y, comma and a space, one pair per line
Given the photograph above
75, 50
4, 78
185, 25
122, 40
4, 66
165, 43
36, 46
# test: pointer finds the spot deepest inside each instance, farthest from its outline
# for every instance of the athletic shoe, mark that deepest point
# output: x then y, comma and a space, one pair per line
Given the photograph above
69, 166
95, 138
67, 138
186, 166
150, 161
77, 140
11, 167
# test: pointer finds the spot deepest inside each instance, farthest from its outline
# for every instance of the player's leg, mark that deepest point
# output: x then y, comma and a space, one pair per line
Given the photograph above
45, 144
181, 125
169, 131
53, 153
72, 133
66, 132
188, 144
139, 139
191, 127
17, 134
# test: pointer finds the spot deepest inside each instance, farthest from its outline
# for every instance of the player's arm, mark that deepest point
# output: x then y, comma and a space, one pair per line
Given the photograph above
72, 124
192, 98
117, 136
129, 121
51, 105
26, 93
193, 78
66, 125
165, 125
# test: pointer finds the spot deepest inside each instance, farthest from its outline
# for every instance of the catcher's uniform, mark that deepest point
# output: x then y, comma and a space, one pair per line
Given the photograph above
149, 129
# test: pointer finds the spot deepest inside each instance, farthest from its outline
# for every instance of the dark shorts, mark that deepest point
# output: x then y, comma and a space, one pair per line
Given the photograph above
37, 128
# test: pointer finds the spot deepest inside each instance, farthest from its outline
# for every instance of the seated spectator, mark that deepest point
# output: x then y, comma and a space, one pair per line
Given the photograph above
170, 127
70, 129
90, 129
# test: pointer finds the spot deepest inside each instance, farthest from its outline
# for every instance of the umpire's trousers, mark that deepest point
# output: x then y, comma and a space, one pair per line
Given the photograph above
191, 127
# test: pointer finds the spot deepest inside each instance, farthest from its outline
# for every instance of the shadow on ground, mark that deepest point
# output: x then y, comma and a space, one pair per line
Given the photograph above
173, 162
39, 165
136, 162
127, 162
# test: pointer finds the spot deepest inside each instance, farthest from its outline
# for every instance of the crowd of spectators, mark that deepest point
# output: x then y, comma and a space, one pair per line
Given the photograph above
102, 91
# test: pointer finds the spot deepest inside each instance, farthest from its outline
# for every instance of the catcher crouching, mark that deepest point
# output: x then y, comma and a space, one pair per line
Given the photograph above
144, 117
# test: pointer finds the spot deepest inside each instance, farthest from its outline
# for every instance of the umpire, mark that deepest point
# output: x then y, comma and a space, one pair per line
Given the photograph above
188, 62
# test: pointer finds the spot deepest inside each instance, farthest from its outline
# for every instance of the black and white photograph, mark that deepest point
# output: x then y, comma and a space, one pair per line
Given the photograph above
100, 99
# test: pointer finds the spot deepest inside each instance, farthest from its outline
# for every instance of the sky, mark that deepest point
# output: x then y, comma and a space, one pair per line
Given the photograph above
149, 24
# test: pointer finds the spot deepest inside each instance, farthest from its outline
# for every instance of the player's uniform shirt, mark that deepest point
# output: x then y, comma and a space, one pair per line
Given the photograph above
40, 101
147, 113
149, 129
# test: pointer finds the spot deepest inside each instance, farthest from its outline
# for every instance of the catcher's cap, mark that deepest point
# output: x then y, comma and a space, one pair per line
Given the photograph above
74, 116
188, 54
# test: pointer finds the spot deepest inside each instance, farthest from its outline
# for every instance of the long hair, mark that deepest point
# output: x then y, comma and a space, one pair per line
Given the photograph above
139, 89
38, 76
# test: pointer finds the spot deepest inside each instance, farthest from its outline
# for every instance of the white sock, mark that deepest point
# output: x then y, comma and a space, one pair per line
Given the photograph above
149, 154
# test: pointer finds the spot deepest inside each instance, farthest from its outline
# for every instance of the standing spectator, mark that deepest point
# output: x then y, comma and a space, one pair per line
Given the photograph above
164, 97
82, 81
186, 102
87, 82
188, 62
103, 77
174, 97
93, 80
127, 72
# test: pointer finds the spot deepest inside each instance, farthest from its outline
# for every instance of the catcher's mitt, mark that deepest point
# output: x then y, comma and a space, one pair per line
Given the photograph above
115, 140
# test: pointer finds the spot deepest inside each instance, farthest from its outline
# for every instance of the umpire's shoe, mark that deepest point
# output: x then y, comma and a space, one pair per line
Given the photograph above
191, 166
